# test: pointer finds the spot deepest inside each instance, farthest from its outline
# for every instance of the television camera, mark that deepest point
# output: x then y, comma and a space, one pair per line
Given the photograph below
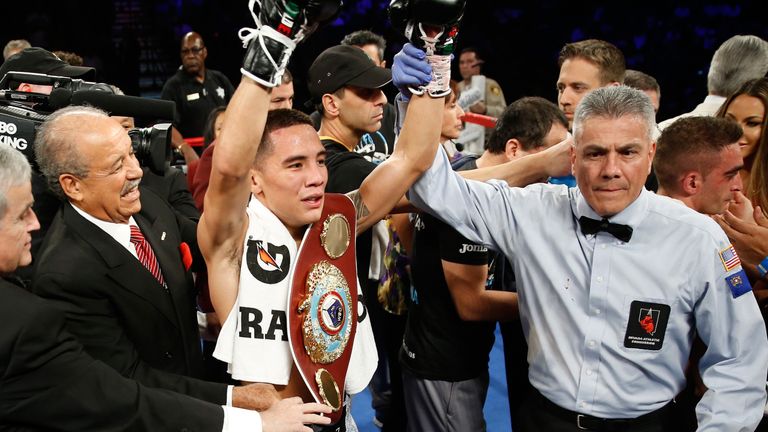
21, 114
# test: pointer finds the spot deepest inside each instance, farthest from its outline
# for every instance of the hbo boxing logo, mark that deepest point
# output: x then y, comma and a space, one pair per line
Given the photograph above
8, 129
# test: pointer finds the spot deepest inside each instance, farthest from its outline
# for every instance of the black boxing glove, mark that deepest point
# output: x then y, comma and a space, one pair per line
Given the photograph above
414, 17
280, 25
433, 26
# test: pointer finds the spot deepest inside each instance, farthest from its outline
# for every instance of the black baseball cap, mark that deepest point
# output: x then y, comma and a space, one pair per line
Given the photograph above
38, 60
344, 65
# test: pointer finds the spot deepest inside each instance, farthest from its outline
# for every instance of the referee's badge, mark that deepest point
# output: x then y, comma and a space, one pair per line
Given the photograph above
647, 325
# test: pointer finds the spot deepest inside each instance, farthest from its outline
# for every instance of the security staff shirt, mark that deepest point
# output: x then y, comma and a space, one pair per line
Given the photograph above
195, 100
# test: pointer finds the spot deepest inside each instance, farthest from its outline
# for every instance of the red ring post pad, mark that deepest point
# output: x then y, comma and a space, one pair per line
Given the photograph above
194, 142
482, 120
327, 308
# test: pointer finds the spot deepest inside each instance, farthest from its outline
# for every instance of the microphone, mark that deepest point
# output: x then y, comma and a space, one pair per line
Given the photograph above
59, 98
470, 96
119, 105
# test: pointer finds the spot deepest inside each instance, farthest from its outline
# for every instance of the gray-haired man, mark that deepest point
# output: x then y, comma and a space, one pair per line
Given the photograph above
738, 60
608, 299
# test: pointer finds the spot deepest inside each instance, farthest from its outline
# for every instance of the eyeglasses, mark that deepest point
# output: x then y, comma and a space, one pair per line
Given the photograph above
193, 50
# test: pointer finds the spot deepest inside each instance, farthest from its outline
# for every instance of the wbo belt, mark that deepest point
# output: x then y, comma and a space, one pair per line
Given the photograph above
591, 423
323, 303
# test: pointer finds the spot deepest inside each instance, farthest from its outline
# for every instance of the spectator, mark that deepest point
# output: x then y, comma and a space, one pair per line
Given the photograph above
748, 106
489, 98
736, 61
645, 83
457, 289
698, 162
14, 46
69, 57
134, 308
585, 66
196, 90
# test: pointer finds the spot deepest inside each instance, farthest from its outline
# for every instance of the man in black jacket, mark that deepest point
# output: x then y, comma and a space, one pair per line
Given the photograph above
117, 261
48, 382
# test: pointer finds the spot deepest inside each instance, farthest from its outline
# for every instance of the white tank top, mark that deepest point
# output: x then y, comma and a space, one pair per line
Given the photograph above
254, 338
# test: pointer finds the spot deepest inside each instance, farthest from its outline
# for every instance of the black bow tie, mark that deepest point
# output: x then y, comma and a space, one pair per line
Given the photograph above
592, 226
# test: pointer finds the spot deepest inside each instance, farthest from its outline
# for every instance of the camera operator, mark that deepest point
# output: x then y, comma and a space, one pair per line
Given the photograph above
38, 60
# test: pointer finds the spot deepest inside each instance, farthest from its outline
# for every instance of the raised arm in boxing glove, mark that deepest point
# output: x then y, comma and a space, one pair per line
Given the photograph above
433, 26
280, 25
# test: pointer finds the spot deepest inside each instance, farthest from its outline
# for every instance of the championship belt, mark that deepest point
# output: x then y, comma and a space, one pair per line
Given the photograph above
322, 306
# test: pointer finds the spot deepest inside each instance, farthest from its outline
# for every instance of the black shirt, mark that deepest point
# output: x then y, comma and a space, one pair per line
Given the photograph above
377, 146
346, 172
438, 344
502, 277
195, 100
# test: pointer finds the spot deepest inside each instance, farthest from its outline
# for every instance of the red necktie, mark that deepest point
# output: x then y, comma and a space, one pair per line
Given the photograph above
145, 254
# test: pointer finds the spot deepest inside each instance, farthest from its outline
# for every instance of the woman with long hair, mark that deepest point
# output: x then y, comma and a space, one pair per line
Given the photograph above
748, 107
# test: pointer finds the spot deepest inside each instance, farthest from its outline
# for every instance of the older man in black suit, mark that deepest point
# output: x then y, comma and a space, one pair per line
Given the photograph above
47, 381
116, 260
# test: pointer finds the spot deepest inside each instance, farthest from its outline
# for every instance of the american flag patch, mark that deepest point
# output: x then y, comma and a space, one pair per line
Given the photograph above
729, 258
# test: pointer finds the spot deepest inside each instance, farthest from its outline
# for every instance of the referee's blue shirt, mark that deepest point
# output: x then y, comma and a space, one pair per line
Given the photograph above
610, 324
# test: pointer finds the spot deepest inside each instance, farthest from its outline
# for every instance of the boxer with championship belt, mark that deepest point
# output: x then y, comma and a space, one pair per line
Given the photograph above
267, 186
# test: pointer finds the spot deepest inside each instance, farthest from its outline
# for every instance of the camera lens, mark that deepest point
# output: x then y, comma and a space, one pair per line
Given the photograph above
152, 146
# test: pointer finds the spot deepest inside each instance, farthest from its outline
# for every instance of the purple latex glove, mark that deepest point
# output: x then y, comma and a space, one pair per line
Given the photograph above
410, 71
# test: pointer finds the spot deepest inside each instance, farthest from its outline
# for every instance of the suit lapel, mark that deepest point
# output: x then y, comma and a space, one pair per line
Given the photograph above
167, 254
122, 266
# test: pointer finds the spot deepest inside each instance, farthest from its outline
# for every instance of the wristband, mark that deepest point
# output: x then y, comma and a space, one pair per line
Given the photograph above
762, 268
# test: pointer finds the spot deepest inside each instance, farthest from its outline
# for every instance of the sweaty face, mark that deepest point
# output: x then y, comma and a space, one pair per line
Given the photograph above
281, 97
749, 113
290, 181
720, 184
16, 228
452, 124
110, 190
577, 78
362, 109
193, 55
611, 161
468, 65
